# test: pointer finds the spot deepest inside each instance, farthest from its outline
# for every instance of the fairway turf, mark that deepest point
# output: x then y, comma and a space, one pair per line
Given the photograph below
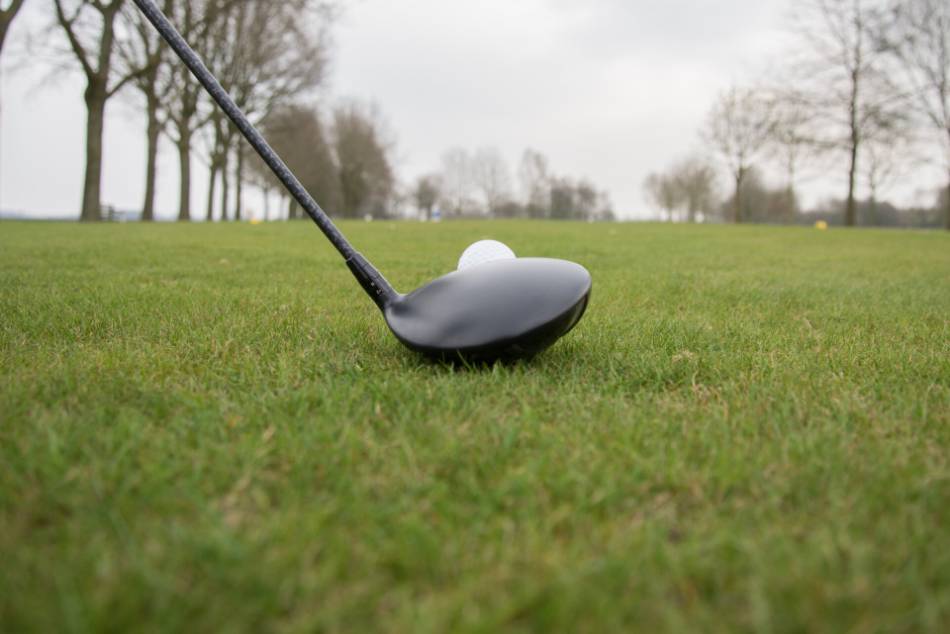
209, 428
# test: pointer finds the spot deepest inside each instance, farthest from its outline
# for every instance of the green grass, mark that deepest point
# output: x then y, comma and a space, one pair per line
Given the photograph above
209, 428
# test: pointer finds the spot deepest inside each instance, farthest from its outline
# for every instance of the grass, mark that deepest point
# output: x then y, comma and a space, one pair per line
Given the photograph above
209, 428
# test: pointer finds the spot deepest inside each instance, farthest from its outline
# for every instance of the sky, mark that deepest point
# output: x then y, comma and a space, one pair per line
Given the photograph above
609, 90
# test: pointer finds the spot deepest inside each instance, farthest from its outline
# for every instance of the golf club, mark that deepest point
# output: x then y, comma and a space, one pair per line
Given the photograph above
501, 309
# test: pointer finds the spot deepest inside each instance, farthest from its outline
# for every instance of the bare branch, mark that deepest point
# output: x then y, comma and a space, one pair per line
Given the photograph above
78, 49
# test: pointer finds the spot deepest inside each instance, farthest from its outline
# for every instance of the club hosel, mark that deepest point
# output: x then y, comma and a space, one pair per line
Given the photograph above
372, 281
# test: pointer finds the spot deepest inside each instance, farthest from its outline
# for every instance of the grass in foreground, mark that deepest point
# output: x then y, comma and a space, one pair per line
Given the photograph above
208, 428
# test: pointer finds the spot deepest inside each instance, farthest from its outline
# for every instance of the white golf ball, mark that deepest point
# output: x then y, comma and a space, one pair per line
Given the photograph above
484, 251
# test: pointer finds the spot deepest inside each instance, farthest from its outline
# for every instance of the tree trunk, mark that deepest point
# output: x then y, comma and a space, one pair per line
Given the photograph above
850, 213
154, 128
92, 181
184, 166
225, 186
266, 195
292, 211
737, 209
214, 168
4, 27
947, 208
790, 203
212, 181
239, 185
6, 18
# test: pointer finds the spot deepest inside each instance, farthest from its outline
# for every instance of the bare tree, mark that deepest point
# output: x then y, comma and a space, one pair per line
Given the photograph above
605, 208
279, 54
695, 181
662, 191
218, 131
586, 200
6, 18
563, 198
739, 127
492, 177
182, 97
426, 193
793, 137
919, 38
143, 55
362, 152
535, 179
457, 179
840, 72
90, 30
229, 35
225, 39
297, 134
886, 157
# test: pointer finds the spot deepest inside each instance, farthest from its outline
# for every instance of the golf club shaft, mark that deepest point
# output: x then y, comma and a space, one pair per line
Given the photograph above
369, 278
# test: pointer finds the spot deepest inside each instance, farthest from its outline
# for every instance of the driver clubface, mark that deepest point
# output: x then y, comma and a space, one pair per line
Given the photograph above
499, 310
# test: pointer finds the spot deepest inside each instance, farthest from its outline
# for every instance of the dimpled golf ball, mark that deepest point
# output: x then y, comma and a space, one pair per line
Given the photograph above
484, 251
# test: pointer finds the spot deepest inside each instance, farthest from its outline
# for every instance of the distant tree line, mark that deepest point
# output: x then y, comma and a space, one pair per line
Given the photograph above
479, 184
866, 91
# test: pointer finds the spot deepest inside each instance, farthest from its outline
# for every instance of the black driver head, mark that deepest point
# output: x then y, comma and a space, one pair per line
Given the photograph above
500, 310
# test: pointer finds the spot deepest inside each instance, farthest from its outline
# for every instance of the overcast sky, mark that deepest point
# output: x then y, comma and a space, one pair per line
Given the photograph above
607, 89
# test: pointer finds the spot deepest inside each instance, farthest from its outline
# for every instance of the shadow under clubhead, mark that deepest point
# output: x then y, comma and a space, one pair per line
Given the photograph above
501, 310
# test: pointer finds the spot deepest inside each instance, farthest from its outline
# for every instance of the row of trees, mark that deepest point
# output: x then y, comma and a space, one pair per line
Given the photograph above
480, 184
270, 56
867, 87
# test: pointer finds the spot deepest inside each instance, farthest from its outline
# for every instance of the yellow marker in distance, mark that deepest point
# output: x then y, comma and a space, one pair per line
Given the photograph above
821, 225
